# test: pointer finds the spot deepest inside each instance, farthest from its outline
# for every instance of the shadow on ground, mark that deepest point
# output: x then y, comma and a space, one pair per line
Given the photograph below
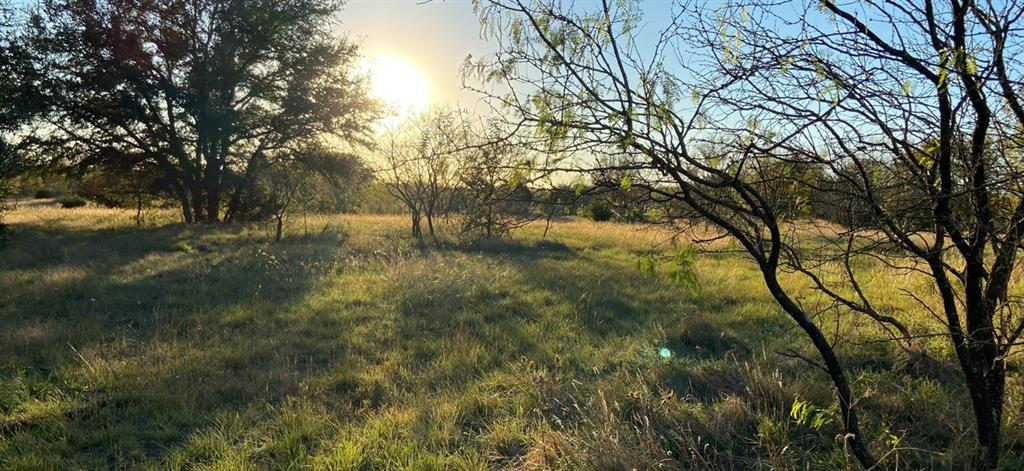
151, 345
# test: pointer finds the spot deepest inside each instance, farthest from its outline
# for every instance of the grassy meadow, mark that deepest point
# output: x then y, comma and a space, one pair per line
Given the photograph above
349, 346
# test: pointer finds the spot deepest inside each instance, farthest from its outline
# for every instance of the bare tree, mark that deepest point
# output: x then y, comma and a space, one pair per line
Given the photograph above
495, 181
720, 107
419, 164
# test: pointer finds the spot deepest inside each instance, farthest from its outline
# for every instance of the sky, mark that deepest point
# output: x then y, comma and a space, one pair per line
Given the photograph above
433, 37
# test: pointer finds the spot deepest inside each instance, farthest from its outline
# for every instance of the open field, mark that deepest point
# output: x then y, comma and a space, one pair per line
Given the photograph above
347, 346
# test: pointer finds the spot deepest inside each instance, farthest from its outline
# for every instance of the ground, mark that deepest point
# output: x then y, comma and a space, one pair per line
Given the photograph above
348, 346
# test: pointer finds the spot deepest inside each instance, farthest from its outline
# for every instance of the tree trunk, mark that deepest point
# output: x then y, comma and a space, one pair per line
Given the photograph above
198, 214
987, 388
279, 229
416, 232
982, 364
186, 211
138, 209
212, 205
211, 183
833, 367
186, 208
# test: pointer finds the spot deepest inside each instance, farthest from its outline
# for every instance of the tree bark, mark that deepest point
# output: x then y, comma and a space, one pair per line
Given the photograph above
833, 367
212, 205
416, 231
987, 388
984, 372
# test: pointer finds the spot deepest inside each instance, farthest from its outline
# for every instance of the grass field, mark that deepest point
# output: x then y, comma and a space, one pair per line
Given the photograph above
347, 346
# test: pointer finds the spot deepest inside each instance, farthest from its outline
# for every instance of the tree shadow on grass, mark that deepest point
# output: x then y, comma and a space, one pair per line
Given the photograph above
514, 248
615, 302
117, 344
140, 343
612, 302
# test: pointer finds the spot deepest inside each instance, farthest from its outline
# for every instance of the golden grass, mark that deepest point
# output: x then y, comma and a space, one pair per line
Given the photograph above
350, 346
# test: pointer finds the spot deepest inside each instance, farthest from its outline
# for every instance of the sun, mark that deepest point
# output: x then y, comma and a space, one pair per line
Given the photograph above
401, 87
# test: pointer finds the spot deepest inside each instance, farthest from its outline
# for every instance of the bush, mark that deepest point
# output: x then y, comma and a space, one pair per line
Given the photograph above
599, 211
44, 193
71, 201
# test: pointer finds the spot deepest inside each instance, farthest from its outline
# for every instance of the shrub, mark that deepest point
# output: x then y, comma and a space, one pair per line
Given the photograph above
44, 193
599, 211
71, 201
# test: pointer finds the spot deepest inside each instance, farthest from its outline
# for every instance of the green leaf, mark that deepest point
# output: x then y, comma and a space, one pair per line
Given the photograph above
807, 414
943, 71
784, 65
626, 142
646, 265
890, 438
683, 272
579, 187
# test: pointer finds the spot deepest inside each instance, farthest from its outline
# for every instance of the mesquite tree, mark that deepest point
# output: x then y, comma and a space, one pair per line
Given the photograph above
907, 112
496, 179
202, 89
419, 163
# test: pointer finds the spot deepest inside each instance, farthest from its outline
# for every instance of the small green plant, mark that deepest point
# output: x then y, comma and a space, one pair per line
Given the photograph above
71, 201
679, 268
806, 414
182, 246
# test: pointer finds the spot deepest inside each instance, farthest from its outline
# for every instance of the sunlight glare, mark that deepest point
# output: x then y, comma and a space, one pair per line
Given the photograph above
400, 86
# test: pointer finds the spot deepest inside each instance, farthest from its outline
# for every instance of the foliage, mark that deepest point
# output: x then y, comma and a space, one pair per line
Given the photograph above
495, 197
43, 193
19, 103
807, 414
599, 211
314, 179
900, 127
71, 201
208, 94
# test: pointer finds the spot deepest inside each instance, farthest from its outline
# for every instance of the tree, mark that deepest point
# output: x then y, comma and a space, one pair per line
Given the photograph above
624, 201
19, 102
838, 92
124, 187
314, 178
419, 161
201, 89
494, 179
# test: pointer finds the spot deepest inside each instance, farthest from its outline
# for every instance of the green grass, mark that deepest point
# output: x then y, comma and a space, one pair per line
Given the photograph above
347, 346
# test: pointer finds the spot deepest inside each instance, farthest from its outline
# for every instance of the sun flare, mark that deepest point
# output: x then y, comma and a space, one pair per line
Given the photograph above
401, 87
